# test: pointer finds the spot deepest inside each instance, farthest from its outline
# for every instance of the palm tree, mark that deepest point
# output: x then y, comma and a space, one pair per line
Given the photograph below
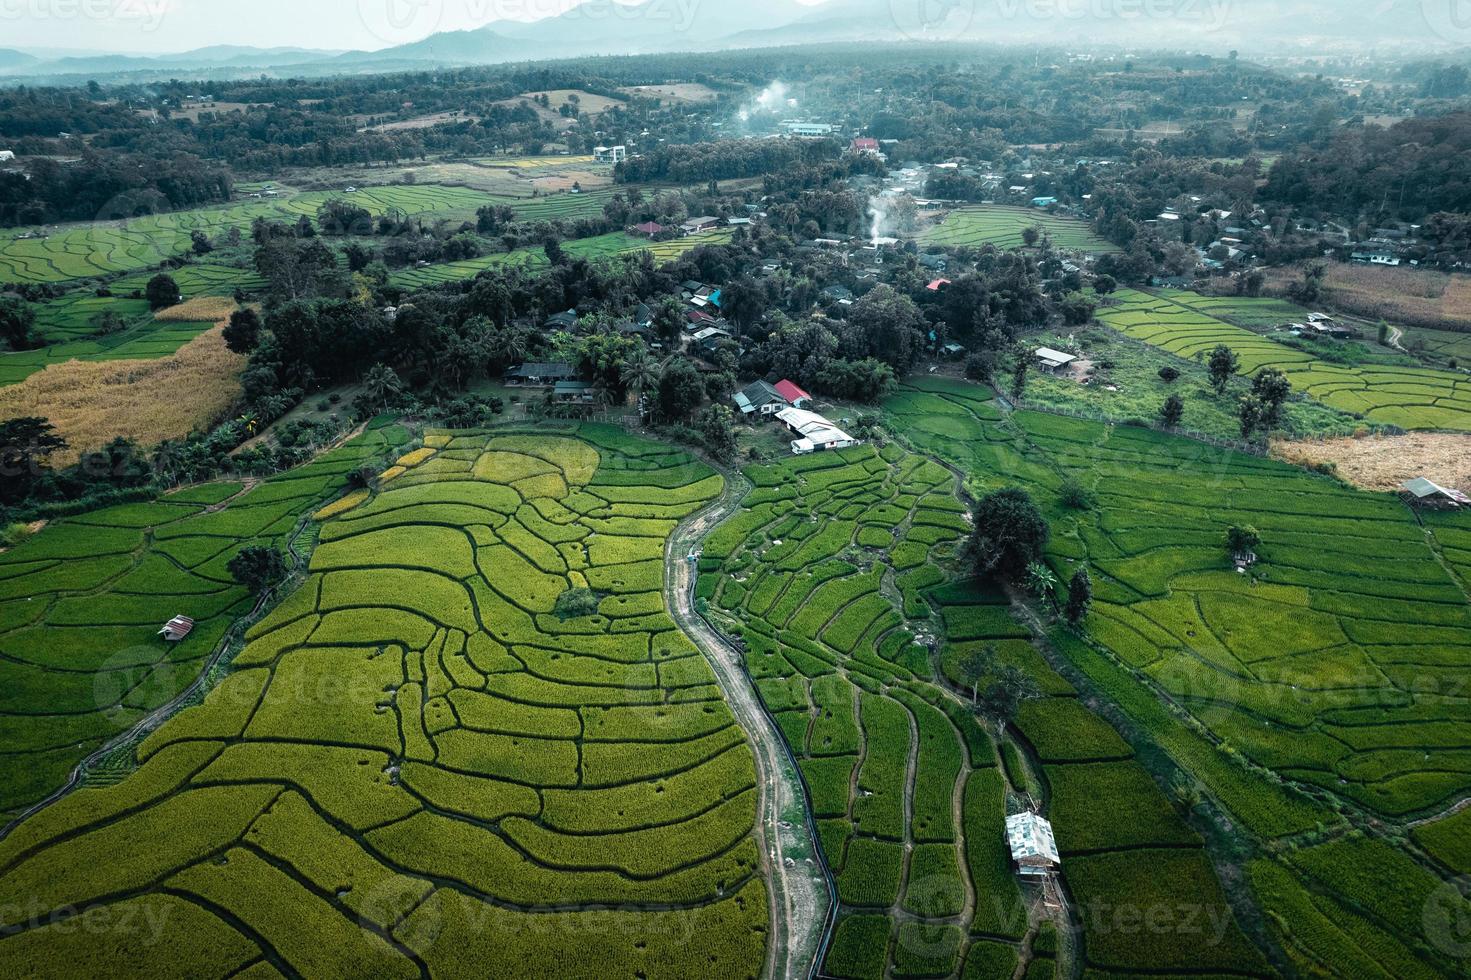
380, 384
640, 373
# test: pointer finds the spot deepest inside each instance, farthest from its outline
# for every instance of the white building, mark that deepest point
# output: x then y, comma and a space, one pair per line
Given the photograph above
1033, 846
1053, 360
794, 128
610, 154
6, 156
813, 432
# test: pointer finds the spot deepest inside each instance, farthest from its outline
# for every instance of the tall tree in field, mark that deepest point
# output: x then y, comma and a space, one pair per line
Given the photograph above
1079, 596
975, 666
17, 320
1010, 533
242, 333
1172, 411
1019, 379
26, 447
162, 291
257, 568
680, 390
1251, 414
1222, 365
1272, 389
381, 385
1002, 698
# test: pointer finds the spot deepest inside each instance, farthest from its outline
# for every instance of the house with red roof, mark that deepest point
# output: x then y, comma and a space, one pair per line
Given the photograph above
864, 144
935, 286
648, 229
796, 397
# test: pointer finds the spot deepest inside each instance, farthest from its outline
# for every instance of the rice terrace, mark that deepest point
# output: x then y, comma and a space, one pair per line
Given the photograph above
792, 491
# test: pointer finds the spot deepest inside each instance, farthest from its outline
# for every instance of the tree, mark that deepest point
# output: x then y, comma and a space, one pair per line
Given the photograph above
1010, 533
1019, 379
1383, 334
1031, 235
26, 446
1079, 596
1076, 496
17, 320
1169, 375
162, 292
1251, 413
554, 252
1222, 365
200, 242
975, 666
257, 568
381, 385
242, 333
108, 322
1076, 309
1105, 284
1271, 388
680, 390
640, 374
1003, 697
1172, 411
1242, 540
716, 426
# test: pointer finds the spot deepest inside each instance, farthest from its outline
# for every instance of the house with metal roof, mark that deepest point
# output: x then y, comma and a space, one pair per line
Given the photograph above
1033, 845
177, 629
758, 400
795, 396
1053, 360
813, 432
540, 374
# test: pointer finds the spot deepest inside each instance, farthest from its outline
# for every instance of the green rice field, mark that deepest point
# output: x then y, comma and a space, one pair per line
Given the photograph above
83, 599
908, 787
1331, 676
600, 246
1002, 226
421, 765
1412, 398
107, 247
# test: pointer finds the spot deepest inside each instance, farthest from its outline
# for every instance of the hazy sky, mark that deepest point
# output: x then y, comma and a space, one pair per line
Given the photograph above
158, 26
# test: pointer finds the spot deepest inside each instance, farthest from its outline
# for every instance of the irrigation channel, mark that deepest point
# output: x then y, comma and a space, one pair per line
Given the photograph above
802, 894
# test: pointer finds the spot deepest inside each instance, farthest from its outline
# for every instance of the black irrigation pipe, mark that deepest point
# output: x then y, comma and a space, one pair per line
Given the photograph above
156, 718
831, 921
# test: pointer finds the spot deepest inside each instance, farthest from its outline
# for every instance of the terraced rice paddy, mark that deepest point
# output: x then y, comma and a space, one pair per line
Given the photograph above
601, 246
108, 247
1002, 226
1337, 664
80, 604
1409, 397
824, 574
418, 767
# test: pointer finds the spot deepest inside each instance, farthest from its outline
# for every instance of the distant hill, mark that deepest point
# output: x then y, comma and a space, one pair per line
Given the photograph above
605, 27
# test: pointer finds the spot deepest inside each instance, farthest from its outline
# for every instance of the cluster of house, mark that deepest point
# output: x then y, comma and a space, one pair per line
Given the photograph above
1321, 325
786, 402
694, 226
562, 378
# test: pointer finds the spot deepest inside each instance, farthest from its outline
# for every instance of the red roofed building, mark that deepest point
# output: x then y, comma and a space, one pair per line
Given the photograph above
865, 144
934, 287
796, 397
648, 229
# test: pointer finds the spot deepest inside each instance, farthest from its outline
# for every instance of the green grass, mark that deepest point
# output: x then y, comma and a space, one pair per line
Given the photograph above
587, 763
1409, 397
1002, 225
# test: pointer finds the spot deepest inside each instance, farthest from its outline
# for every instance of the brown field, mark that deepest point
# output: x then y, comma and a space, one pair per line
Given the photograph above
200, 309
682, 92
590, 105
1385, 462
92, 403
1413, 297
193, 112
418, 122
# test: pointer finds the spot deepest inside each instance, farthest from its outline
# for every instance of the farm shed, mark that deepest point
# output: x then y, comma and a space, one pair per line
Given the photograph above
813, 431
177, 629
573, 392
1429, 494
1033, 846
648, 229
703, 223
759, 398
1053, 361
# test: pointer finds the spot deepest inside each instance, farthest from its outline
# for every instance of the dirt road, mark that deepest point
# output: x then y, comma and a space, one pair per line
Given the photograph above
801, 893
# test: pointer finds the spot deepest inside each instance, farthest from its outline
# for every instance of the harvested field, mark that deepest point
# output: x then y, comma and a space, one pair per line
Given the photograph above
679, 92
1414, 297
92, 403
201, 309
1386, 462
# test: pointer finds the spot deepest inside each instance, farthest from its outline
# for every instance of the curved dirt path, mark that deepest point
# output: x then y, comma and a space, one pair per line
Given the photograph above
801, 894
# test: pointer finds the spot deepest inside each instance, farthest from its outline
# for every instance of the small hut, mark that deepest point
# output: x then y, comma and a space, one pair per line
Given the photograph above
1424, 493
1033, 846
176, 629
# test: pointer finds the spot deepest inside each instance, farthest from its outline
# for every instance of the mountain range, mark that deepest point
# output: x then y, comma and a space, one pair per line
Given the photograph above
606, 27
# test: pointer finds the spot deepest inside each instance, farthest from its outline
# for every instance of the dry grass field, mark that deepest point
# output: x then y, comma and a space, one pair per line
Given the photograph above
1386, 462
682, 92
198, 310
92, 403
1412, 297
